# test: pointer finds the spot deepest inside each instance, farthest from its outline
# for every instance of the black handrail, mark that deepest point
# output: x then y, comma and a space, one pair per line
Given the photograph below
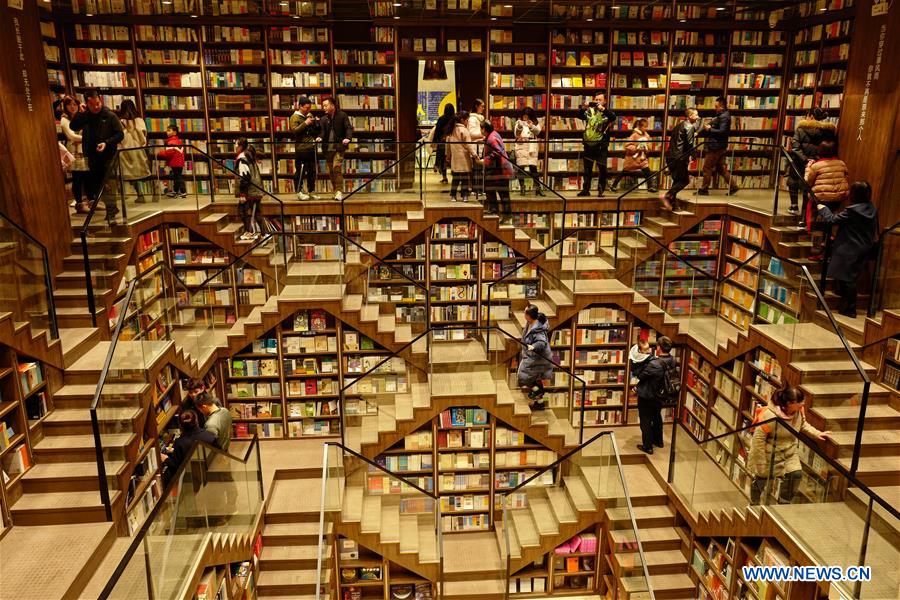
557, 462
51, 304
167, 492
867, 383
873, 290
372, 463
104, 373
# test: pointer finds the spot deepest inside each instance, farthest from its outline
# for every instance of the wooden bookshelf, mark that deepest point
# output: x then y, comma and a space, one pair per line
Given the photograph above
890, 367
254, 380
684, 287
312, 373
365, 574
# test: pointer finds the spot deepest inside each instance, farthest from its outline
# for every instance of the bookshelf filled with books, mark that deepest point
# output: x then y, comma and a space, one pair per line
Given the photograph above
579, 64
740, 267
517, 77
54, 53
571, 568
890, 368
102, 57
198, 264
312, 373
365, 575
365, 84
254, 381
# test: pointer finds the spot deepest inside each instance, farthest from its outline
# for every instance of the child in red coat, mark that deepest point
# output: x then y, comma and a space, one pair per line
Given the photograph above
174, 157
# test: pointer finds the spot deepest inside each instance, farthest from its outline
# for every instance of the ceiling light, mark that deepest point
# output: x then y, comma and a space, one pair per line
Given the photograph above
822, 9
167, 1
396, 17
721, 8
589, 19
507, 6
284, 3
493, 18
615, 8
88, 14
398, 4
682, 20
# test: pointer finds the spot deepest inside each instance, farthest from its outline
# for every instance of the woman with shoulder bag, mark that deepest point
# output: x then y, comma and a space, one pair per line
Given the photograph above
79, 169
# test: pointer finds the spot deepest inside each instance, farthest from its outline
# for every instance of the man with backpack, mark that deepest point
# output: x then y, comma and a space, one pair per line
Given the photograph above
659, 384
678, 158
598, 120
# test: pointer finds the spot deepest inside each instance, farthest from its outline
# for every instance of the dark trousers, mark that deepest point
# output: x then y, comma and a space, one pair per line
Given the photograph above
79, 179
305, 169
178, 185
250, 213
461, 184
790, 483
95, 177
497, 188
650, 415
847, 291
645, 176
590, 156
440, 159
678, 170
533, 171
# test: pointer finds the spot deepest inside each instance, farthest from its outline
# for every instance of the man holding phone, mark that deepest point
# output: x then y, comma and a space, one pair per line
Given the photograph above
101, 133
305, 127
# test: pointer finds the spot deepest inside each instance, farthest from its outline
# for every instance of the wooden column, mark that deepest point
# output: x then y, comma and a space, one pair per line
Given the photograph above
32, 191
868, 134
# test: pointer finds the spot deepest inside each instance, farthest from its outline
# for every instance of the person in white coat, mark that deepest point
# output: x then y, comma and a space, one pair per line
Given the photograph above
527, 130
476, 118
462, 155
79, 169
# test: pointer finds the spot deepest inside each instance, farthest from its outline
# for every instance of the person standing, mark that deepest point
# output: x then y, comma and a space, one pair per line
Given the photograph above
101, 133
497, 172
134, 166
809, 133
827, 176
652, 375
462, 154
79, 169
857, 228
526, 130
681, 152
305, 127
598, 120
173, 155
773, 450
636, 159
717, 131
337, 131
250, 190
536, 362
476, 118
439, 134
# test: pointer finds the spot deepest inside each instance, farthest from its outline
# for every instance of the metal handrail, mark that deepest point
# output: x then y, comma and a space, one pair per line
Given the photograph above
167, 491
372, 463
104, 373
51, 304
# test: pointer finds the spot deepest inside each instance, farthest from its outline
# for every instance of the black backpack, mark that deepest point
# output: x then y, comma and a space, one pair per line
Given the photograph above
670, 387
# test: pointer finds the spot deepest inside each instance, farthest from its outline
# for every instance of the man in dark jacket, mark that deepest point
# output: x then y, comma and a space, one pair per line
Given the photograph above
191, 432
101, 133
598, 120
305, 127
679, 155
651, 375
717, 132
809, 133
858, 226
337, 131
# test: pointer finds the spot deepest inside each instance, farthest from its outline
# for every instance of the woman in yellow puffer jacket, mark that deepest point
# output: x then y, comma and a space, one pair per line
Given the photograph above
827, 176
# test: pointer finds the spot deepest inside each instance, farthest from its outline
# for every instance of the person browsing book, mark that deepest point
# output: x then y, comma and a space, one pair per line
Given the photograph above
218, 419
191, 432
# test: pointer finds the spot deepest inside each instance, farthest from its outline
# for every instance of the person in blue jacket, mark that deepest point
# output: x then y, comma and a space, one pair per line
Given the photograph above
716, 132
536, 362
651, 378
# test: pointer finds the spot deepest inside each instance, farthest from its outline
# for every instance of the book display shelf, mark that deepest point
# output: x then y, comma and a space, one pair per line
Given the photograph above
717, 562
365, 84
571, 568
366, 575
592, 248
517, 77
472, 457
712, 399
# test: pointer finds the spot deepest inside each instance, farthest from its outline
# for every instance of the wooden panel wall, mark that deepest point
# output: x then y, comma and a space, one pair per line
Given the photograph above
32, 191
869, 143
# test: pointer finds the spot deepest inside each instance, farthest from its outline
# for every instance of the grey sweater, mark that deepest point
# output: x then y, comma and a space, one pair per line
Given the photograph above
219, 423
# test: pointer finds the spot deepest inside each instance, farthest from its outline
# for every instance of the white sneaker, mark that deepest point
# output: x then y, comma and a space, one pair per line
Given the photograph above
247, 235
302, 196
338, 196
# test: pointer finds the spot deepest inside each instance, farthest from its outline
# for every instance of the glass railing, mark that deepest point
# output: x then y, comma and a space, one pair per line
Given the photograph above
561, 501
27, 291
399, 514
770, 468
123, 193
211, 494
157, 313
885, 288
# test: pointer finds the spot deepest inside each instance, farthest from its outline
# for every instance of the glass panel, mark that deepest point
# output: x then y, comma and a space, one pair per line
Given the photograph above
331, 503
25, 272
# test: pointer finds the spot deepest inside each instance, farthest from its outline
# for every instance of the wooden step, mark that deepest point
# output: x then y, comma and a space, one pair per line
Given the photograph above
409, 534
390, 524
81, 448
652, 538
371, 515
290, 557
542, 514
289, 581
875, 442
878, 416
654, 515
57, 508
284, 534
475, 589
844, 390
525, 527
579, 494
353, 502
561, 506
664, 586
